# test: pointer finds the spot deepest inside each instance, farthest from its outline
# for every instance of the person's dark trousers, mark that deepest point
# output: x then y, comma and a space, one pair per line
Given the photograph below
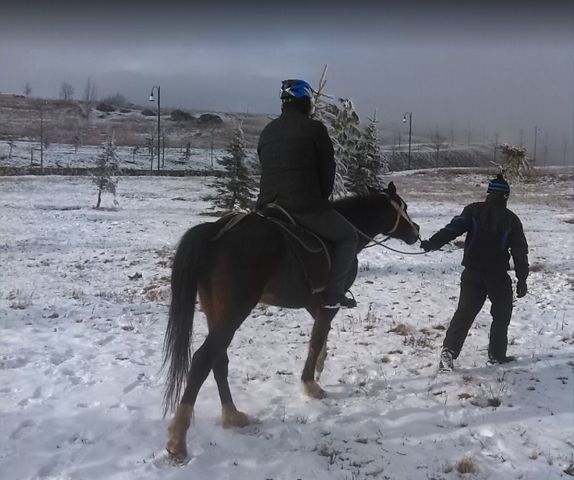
333, 227
475, 286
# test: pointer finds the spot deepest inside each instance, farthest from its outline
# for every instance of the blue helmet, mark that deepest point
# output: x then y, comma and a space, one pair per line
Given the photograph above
291, 89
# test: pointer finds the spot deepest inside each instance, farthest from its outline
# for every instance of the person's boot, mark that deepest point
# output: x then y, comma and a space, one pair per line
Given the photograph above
334, 300
446, 362
498, 360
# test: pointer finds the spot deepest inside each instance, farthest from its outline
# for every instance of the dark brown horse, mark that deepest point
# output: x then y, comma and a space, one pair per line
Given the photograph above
250, 263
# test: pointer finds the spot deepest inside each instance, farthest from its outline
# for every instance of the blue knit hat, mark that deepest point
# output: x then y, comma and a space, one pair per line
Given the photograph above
498, 185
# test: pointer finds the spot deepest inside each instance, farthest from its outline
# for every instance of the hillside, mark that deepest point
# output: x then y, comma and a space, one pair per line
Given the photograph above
68, 122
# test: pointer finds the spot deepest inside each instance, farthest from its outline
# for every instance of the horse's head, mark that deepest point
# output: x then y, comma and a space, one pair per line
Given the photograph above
399, 224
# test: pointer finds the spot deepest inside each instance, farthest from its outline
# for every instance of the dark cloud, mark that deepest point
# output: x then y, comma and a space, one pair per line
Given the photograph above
506, 64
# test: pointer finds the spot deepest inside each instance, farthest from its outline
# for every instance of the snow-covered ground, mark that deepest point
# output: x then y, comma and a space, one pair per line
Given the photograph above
83, 307
26, 153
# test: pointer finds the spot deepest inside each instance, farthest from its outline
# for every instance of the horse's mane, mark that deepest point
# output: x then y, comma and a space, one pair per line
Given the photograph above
358, 201
362, 204
363, 211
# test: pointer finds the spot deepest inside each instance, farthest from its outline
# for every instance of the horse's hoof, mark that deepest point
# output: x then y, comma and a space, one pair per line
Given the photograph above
176, 460
313, 390
234, 418
177, 452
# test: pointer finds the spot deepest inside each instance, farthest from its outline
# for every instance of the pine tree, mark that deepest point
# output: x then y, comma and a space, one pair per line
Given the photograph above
357, 152
342, 123
368, 163
327, 113
514, 164
106, 171
236, 186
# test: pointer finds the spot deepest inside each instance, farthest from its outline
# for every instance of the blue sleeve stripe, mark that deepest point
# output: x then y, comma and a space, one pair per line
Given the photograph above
505, 237
472, 233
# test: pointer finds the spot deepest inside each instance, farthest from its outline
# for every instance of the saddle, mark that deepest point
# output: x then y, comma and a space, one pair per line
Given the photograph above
309, 250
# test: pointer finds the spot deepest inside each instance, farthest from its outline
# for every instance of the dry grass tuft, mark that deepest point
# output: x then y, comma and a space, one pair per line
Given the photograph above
537, 267
467, 465
401, 329
494, 402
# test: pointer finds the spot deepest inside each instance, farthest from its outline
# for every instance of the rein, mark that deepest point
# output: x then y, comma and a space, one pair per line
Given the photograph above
381, 244
400, 213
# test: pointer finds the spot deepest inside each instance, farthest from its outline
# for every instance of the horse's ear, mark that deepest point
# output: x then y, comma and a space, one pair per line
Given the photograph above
391, 188
372, 190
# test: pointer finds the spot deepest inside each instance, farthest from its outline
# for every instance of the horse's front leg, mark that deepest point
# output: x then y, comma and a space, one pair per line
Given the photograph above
317, 343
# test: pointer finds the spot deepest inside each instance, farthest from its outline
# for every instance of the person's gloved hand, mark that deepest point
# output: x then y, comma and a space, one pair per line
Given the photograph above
426, 246
521, 289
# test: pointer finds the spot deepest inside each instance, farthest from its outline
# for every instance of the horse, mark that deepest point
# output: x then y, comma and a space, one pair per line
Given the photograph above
231, 273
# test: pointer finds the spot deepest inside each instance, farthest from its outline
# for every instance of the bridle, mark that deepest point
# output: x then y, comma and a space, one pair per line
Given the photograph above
401, 213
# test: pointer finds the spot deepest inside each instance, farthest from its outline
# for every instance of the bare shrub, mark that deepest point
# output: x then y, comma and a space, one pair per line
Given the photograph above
19, 300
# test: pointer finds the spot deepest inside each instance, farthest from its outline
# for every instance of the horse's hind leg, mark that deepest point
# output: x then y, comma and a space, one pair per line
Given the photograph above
202, 362
230, 416
317, 343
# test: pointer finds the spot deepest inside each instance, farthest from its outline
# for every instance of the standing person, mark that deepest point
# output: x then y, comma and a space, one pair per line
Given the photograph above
298, 173
492, 230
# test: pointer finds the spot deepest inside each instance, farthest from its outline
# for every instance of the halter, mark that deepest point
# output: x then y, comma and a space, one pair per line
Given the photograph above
400, 208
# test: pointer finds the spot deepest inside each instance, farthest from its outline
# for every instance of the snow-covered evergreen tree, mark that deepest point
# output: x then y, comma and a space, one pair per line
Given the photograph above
342, 123
368, 164
236, 186
105, 175
346, 139
327, 112
515, 165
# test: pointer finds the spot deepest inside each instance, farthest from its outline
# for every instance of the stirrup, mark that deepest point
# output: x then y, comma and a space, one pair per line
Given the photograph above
337, 300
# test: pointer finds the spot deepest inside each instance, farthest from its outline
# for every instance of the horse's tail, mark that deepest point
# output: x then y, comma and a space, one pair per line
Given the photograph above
187, 265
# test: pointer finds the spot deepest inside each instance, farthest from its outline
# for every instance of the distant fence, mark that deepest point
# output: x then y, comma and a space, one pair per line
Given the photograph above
132, 172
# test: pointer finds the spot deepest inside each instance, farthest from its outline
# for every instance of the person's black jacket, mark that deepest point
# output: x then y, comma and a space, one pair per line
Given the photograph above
492, 230
297, 164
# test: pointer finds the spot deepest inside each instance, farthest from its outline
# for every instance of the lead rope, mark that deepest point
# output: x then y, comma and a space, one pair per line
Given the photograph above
400, 213
381, 244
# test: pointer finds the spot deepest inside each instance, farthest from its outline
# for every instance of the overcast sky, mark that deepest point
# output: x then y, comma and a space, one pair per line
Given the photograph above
496, 66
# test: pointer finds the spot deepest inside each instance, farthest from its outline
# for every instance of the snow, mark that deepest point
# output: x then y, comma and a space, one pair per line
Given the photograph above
81, 337
84, 156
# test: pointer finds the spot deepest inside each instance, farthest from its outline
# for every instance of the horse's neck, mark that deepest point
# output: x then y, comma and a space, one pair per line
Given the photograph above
365, 213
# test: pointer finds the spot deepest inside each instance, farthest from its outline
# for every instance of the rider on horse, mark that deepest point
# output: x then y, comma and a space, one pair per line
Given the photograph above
298, 173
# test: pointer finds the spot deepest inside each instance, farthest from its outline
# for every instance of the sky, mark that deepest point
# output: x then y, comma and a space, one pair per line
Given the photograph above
499, 67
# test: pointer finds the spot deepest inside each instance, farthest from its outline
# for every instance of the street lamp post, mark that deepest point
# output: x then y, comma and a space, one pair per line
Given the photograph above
410, 115
536, 131
151, 99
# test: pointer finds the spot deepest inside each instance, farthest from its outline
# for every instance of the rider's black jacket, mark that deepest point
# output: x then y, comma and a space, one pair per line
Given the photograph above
297, 164
492, 230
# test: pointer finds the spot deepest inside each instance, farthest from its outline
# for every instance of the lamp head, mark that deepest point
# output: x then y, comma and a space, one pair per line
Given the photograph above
151, 99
